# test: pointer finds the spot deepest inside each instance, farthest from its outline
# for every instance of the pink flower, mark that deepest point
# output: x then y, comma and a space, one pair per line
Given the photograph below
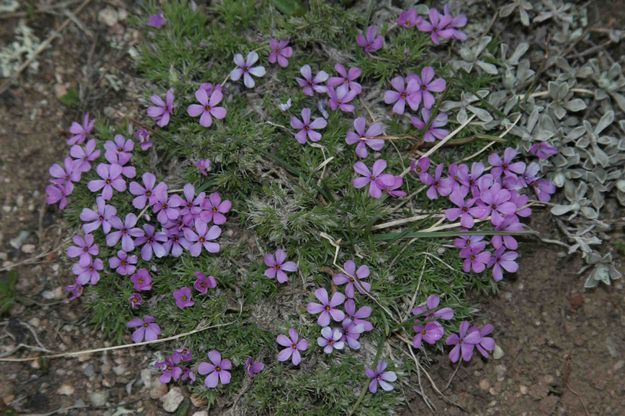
84, 155
141, 280
207, 109
200, 236
280, 52
435, 128
353, 280
347, 78
426, 85
203, 283
306, 127
375, 178
363, 137
157, 21
404, 92
341, 97
217, 371
331, 339
110, 178
409, 18
81, 132
371, 41
246, 69
327, 308
183, 298
213, 209
294, 344
162, 110
147, 329
310, 84
278, 266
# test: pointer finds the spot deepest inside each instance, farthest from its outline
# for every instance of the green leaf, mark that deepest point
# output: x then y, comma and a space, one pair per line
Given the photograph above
290, 7
7, 291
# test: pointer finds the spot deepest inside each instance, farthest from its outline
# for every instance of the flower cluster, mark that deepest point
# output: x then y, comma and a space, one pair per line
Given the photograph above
443, 26
493, 194
175, 367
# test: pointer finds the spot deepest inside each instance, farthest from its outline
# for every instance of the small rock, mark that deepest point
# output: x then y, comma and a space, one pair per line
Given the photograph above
119, 370
523, 389
65, 390
618, 365
99, 398
500, 370
17, 242
53, 294
201, 413
60, 90
484, 385
89, 370
498, 353
158, 390
172, 400
108, 16
198, 401
146, 377
28, 248
550, 380
34, 322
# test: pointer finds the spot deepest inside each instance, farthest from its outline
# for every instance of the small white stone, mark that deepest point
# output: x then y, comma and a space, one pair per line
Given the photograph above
65, 390
498, 353
172, 399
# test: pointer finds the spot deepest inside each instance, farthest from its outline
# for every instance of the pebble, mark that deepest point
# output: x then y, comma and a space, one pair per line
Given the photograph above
484, 384
198, 401
201, 413
28, 248
172, 400
498, 353
108, 16
500, 370
619, 364
524, 390
99, 398
89, 370
17, 242
65, 390
158, 390
53, 294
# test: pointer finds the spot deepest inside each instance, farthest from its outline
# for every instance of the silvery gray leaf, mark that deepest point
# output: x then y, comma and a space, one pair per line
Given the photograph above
576, 104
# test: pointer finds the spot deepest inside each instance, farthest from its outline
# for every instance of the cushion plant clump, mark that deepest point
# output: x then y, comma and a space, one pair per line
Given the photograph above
310, 194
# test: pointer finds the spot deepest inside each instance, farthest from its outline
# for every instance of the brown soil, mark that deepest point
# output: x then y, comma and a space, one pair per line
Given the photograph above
564, 348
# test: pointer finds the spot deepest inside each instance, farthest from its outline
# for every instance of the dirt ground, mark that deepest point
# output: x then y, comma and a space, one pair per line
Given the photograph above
564, 348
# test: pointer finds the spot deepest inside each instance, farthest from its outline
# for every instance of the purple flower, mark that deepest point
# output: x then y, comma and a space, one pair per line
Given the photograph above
84, 248
74, 291
81, 132
505, 165
496, 203
310, 84
217, 371
144, 194
420, 167
214, 209
201, 236
380, 377
353, 278
465, 210
157, 21
141, 280
508, 241
363, 137
426, 85
358, 316
57, 193
409, 18
464, 343
171, 370
161, 111
183, 297
438, 26
252, 368
110, 179
347, 78
121, 159
208, 109
191, 205
135, 300
83, 156
437, 185
476, 260
175, 241
375, 178
352, 332
65, 175
502, 260
89, 273
125, 232
331, 339
143, 136
203, 283
543, 150
456, 23
404, 92
429, 310
294, 344
486, 345
431, 332
278, 266
544, 188
434, 128
122, 149
166, 207
182, 354
187, 375
307, 127
123, 264
246, 69
203, 165
341, 97
371, 41
147, 329
152, 242
327, 308
280, 52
